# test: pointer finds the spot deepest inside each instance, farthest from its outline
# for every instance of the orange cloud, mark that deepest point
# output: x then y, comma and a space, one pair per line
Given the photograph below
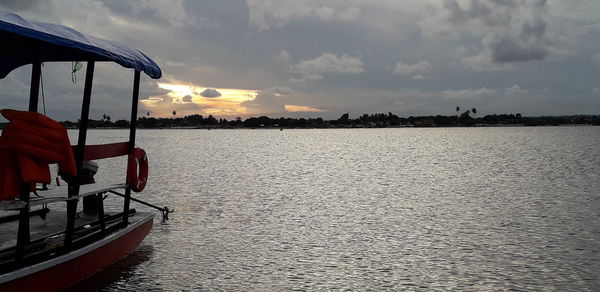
302, 108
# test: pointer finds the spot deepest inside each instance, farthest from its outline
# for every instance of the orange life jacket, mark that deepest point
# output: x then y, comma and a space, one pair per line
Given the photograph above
28, 144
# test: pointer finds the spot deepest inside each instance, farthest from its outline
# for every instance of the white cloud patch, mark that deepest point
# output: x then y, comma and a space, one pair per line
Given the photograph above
283, 56
596, 58
515, 90
416, 70
351, 13
328, 63
210, 92
469, 93
268, 14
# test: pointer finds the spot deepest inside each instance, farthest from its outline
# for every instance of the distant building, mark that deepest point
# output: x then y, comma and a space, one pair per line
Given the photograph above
424, 123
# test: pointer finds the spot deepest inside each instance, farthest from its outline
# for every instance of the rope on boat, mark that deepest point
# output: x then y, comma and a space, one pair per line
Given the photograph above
42, 88
164, 210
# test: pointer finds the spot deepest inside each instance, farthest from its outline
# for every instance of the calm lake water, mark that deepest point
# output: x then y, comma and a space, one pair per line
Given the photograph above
441, 209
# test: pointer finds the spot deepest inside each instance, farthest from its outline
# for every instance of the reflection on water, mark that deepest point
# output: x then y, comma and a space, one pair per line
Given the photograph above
121, 272
469, 209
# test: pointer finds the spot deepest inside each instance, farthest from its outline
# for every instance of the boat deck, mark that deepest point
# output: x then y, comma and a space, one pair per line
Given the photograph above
55, 220
55, 223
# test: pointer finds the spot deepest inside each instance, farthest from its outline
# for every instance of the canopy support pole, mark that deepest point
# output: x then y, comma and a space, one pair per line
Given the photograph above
34, 93
83, 127
23, 235
132, 132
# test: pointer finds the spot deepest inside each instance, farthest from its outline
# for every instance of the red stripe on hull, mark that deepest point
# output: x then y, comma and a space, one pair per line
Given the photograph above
71, 272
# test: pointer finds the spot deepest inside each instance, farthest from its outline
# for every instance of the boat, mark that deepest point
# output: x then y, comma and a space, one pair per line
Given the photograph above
49, 250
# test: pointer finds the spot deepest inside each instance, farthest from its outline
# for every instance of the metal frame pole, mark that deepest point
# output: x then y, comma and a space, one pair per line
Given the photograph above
132, 132
83, 126
23, 235
36, 72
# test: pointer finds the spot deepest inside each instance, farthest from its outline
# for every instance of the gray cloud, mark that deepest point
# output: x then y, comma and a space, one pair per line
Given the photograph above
328, 63
282, 90
469, 93
187, 98
511, 31
265, 103
283, 56
20, 4
596, 58
265, 14
172, 12
414, 69
209, 92
529, 45
345, 53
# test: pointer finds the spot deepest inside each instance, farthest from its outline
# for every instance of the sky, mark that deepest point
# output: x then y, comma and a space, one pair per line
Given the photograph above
309, 58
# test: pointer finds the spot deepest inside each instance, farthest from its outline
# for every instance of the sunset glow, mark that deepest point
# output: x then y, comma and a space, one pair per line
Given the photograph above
188, 99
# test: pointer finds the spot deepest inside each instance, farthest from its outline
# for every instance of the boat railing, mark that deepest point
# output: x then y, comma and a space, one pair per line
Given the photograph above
93, 193
60, 194
64, 193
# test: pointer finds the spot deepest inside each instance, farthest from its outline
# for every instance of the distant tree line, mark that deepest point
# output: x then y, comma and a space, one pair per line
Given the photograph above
378, 120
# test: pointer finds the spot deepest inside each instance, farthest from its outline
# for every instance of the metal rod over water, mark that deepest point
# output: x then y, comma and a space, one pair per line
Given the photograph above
164, 210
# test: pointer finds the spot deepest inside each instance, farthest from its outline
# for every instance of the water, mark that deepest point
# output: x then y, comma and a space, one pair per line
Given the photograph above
442, 209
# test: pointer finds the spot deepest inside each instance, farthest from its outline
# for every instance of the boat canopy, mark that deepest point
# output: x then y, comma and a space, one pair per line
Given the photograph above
25, 42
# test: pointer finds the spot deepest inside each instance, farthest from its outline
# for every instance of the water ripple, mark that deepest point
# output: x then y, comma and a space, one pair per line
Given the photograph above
381, 209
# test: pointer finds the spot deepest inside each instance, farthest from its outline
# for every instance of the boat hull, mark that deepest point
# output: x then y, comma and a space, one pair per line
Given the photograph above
69, 269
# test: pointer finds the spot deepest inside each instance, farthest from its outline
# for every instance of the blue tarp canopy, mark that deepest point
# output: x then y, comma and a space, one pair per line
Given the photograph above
25, 42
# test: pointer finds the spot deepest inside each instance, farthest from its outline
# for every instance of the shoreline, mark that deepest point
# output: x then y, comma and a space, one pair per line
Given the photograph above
350, 127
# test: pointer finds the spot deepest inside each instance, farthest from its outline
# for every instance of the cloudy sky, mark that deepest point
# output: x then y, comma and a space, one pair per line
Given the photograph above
309, 58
